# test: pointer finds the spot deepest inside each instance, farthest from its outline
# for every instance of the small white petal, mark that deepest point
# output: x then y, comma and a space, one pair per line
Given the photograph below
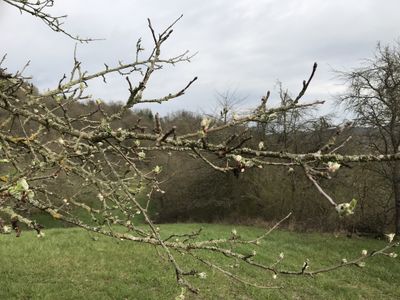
390, 237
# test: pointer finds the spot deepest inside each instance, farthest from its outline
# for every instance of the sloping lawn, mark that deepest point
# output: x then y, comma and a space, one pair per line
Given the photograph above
69, 264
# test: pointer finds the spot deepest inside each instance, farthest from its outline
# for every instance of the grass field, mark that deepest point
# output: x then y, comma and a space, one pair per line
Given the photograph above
69, 264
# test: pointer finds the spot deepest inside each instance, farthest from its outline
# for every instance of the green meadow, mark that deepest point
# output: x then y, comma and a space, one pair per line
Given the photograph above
70, 263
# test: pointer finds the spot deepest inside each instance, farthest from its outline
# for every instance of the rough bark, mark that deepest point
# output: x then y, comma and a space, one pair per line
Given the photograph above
396, 192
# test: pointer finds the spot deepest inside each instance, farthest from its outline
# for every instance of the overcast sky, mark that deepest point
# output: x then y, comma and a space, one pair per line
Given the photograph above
242, 45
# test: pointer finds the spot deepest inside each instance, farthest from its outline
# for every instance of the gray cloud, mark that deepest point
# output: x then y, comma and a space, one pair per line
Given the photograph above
244, 45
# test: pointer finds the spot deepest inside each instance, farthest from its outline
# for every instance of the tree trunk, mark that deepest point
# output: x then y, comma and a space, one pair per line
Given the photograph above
396, 192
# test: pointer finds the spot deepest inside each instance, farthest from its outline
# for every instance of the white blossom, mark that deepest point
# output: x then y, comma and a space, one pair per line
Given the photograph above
333, 167
24, 185
100, 196
361, 264
238, 158
157, 170
345, 209
7, 229
249, 163
205, 123
142, 155
390, 236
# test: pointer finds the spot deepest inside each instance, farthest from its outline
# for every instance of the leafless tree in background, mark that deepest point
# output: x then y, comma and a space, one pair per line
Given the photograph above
374, 97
